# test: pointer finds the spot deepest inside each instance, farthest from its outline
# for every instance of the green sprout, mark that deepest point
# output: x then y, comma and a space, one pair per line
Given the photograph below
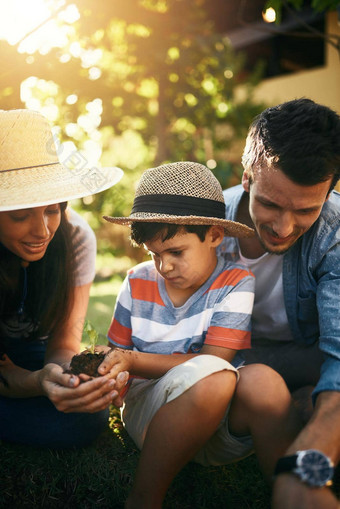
92, 335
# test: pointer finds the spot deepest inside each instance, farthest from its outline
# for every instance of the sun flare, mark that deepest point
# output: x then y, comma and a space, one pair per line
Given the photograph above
34, 24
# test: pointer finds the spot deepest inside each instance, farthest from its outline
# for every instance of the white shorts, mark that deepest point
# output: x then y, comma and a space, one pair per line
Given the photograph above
145, 397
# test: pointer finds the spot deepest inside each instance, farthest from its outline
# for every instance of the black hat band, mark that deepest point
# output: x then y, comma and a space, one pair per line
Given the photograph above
178, 205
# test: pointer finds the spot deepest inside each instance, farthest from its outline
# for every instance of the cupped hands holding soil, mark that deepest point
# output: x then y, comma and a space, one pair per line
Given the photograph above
86, 362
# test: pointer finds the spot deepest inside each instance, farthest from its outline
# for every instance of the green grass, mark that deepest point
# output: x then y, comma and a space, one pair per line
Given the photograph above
101, 475
102, 300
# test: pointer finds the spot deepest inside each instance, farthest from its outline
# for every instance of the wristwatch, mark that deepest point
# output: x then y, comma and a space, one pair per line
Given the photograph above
312, 466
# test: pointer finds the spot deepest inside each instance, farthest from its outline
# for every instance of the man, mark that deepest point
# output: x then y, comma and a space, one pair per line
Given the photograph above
291, 164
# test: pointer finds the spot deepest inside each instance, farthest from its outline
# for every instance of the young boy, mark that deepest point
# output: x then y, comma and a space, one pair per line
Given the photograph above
178, 322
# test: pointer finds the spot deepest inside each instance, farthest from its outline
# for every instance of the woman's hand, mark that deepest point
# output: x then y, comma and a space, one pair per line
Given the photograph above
68, 394
5, 361
5, 366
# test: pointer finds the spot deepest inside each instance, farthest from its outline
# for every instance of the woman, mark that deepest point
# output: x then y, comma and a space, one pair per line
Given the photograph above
47, 255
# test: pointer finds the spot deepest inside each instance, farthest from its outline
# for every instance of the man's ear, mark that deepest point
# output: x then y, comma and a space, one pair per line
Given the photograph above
328, 195
216, 235
245, 181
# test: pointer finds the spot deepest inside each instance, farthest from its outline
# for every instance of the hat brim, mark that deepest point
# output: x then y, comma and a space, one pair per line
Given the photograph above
45, 185
231, 228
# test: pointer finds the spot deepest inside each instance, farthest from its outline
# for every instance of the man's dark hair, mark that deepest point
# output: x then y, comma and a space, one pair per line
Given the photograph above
143, 232
300, 138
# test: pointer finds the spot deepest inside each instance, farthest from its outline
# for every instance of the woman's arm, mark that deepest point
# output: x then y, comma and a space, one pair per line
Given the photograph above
64, 390
16, 382
63, 346
23, 383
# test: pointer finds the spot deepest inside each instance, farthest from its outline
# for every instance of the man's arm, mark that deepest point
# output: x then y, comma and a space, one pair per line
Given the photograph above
323, 430
323, 433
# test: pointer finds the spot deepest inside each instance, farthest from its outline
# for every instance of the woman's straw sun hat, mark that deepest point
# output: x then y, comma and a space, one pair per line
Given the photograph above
31, 174
184, 193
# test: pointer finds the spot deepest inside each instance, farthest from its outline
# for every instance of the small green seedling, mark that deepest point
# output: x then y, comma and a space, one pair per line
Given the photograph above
92, 334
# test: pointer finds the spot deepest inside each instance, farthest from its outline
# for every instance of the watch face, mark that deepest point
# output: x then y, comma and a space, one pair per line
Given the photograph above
314, 467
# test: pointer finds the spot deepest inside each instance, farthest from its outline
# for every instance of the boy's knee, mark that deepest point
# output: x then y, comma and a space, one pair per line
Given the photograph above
261, 389
217, 386
203, 376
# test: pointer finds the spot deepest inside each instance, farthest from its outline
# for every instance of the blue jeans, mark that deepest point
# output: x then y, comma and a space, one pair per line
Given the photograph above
36, 421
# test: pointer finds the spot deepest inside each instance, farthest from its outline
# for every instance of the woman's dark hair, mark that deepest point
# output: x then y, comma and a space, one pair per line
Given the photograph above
49, 283
143, 232
300, 137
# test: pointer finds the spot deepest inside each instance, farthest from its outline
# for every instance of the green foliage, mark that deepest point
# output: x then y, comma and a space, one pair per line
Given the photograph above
172, 80
159, 77
316, 5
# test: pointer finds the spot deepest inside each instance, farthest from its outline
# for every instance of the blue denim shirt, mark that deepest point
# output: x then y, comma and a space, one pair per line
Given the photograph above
311, 284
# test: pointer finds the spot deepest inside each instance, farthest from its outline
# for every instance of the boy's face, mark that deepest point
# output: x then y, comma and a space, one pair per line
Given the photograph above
184, 261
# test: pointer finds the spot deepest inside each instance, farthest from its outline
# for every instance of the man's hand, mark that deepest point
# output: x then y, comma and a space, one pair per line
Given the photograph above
291, 493
322, 432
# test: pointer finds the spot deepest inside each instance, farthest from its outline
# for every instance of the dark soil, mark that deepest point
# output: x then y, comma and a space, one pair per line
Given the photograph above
86, 362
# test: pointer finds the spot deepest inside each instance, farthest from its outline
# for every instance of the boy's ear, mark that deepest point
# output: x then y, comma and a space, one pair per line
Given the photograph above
216, 235
245, 181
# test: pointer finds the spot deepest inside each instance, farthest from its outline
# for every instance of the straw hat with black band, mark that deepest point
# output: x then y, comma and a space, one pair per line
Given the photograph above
31, 174
184, 193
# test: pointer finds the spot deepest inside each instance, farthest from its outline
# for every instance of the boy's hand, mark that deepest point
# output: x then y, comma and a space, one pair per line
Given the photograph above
116, 361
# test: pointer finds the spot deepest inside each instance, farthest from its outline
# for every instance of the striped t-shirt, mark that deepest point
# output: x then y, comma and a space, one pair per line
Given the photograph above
217, 314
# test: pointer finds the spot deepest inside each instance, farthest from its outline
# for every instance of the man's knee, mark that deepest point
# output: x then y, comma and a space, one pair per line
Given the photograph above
302, 399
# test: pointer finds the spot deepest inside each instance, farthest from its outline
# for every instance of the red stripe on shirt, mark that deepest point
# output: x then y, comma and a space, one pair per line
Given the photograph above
120, 334
229, 278
145, 290
228, 338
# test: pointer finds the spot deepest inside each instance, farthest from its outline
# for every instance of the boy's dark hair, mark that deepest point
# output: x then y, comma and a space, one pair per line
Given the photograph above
143, 232
300, 138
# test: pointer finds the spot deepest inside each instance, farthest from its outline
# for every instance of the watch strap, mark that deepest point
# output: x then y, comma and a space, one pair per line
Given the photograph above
285, 464
289, 464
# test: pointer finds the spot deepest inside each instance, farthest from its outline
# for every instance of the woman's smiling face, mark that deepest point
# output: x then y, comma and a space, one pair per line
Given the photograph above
28, 232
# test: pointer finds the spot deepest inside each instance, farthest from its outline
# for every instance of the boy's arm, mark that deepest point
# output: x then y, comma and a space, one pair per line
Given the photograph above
153, 365
229, 330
